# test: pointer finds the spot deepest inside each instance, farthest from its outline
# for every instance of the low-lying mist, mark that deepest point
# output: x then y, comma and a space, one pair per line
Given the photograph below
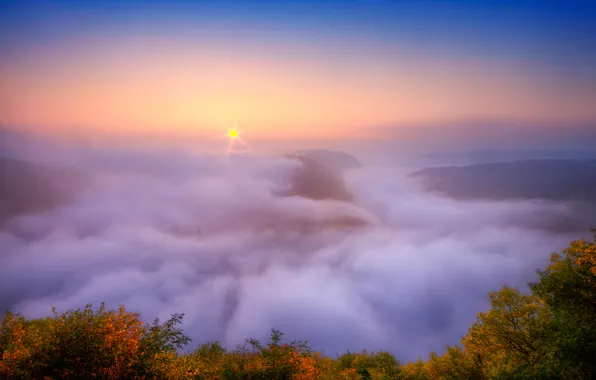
225, 240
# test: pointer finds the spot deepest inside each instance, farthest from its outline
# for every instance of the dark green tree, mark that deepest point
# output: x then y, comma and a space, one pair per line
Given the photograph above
568, 287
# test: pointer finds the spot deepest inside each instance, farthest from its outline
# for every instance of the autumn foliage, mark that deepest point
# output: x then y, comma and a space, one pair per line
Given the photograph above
88, 344
548, 332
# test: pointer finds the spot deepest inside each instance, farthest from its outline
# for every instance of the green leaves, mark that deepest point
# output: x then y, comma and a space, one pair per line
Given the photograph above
382, 364
547, 334
568, 288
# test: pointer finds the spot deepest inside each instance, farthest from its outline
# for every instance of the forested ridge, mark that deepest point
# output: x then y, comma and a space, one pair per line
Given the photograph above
548, 332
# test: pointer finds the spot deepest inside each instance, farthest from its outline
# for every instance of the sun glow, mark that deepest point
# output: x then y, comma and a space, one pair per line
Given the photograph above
234, 136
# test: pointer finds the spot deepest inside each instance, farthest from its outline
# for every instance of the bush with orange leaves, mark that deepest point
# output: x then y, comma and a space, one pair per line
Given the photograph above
254, 360
272, 361
88, 344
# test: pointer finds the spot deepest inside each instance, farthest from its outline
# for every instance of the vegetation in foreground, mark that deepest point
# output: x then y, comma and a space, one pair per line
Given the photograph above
549, 333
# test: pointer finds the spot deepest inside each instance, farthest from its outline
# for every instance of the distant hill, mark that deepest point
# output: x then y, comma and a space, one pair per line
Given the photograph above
549, 179
472, 157
569, 182
316, 181
514, 154
26, 187
332, 160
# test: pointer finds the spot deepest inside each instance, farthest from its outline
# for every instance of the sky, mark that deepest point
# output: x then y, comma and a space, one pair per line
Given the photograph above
295, 69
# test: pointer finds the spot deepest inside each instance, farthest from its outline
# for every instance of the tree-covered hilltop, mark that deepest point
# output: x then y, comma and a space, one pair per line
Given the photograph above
548, 333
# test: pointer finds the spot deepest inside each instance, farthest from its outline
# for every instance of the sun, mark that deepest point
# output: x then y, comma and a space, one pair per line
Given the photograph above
233, 134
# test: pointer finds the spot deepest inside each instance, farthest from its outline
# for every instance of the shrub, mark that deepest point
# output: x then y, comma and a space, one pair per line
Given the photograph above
88, 344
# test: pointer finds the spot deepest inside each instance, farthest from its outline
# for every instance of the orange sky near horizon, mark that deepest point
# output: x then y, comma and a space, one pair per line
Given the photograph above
137, 87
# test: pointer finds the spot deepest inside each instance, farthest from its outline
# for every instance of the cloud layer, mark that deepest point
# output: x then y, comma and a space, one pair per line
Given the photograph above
162, 232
